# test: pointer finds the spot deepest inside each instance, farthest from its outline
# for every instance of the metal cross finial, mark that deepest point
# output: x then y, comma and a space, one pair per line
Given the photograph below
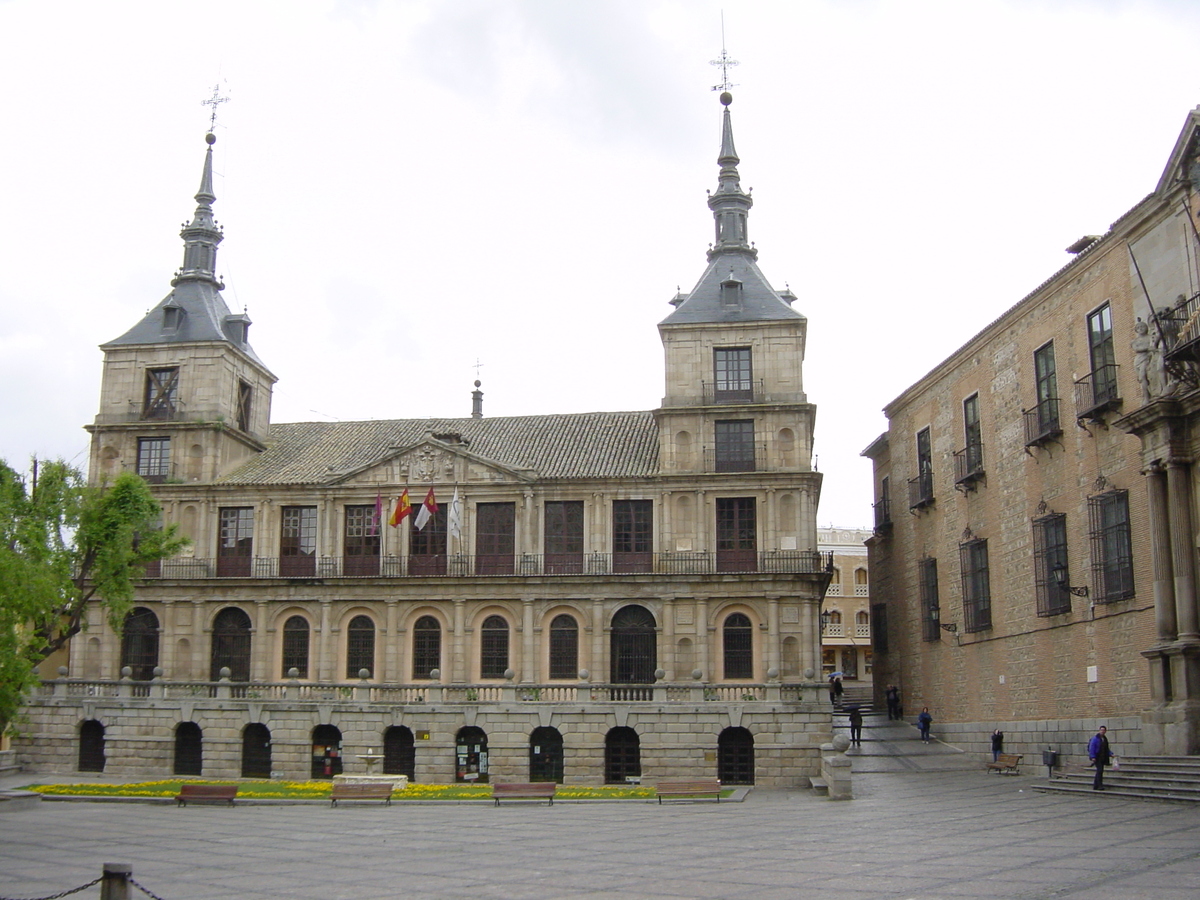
724, 62
478, 366
214, 101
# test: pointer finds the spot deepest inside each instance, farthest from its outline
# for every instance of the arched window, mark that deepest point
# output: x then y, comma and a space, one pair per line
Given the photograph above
835, 617
735, 756
739, 646
622, 756
326, 751
399, 752
360, 646
634, 646
835, 583
295, 646
860, 576
862, 618
493, 647
91, 746
231, 645
564, 647
427, 646
189, 749
546, 755
256, 751
139, 643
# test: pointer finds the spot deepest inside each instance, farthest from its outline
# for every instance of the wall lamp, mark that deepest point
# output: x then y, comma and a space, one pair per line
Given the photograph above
1060, 575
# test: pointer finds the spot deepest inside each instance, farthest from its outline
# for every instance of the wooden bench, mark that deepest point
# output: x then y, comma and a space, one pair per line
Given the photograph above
513, 790
206, 793
377, 791
692, 788
1006, 762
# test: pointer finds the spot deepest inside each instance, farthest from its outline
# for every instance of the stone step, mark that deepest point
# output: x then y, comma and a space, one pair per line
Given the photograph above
1059, 787
1121, 784
820, 787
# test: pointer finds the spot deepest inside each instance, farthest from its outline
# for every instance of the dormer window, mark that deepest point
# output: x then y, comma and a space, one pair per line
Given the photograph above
172, 318
237, 328
731, 293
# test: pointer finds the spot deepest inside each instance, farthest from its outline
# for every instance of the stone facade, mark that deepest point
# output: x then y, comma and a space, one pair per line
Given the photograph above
846, 636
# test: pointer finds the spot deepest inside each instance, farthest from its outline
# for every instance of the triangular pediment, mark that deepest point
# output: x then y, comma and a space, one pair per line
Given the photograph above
432, 460
1181, 162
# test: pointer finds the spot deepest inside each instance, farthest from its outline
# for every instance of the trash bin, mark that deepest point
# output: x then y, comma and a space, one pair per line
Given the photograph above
1049, 760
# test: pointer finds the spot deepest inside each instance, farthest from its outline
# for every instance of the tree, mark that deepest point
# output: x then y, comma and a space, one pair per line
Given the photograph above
65, 544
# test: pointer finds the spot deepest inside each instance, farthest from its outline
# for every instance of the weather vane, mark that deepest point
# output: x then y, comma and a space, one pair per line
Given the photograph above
478, 366
724, 62
214, 101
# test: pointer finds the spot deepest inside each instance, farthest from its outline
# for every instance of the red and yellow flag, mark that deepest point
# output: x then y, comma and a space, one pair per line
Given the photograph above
403, 509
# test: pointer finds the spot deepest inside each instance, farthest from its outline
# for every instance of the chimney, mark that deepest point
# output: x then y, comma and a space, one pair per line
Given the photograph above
477, 402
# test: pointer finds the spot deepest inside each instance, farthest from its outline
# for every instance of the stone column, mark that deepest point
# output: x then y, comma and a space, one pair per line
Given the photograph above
702, 639
391, 647
167, 639
770, 528
666, 536
1160, 552
1179, 486
772, 648
324, 665
599, 666
529, 668
668, 633
701, 525
528, 530
201, 648
459, 671
261, 635
810, 637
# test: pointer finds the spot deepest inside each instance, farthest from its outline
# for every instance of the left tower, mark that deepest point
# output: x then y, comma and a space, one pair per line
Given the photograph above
183, 396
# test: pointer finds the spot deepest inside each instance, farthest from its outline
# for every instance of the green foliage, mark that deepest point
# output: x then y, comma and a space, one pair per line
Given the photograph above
65, 544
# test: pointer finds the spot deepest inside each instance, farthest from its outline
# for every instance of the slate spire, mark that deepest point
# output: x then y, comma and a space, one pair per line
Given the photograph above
202, 235
730, 205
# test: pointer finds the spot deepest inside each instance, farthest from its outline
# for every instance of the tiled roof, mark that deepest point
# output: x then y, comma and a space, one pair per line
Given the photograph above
578, 445
760, 301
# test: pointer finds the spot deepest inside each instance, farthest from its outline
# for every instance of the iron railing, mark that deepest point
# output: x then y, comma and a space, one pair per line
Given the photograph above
744, 458
1041, 422
1097, 392
920, 491
715, 395
464, 565
968, 465
883, 515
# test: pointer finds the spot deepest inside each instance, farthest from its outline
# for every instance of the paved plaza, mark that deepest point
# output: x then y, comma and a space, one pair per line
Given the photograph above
926, 823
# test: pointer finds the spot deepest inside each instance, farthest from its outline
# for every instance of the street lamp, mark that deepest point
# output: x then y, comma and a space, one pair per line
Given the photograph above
1060, 575
826, 615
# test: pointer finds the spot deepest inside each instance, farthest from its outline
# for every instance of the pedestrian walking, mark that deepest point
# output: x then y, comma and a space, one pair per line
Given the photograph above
997, 744
838, 690
924, 720
893, 702
1100, 753
856, 720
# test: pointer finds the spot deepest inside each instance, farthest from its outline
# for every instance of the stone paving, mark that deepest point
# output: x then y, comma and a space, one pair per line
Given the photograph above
927, 823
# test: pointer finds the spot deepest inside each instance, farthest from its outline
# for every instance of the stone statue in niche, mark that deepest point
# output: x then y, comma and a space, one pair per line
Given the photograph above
1147, 361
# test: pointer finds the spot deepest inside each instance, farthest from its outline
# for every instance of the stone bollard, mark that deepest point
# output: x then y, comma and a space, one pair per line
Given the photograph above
114, 883
836, 768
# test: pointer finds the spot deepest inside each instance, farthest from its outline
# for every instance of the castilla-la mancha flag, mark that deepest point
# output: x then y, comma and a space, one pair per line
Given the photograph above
402, 510
425, 513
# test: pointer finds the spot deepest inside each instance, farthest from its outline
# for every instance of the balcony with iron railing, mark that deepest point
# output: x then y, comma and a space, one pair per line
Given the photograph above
968, 466
883, 515
920, 491
464, 565
746, 458
1042, 423
1180, 331
1097, 392
715, 394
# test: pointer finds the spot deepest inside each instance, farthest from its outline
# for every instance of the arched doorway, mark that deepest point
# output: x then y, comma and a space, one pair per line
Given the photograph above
735, 756
546, 755
139, 643
622, 756
91, 746
231, 645
189, 753
326, 751
634, 646
256, 751
399, 752
471, 755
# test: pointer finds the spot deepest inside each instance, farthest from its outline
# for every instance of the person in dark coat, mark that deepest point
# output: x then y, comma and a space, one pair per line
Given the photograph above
838, 690
1100, 754
893, 702
924, 720
997, 744
856, 720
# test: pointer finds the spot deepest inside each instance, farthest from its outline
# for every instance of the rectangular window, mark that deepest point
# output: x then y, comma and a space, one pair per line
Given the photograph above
245, 393
883, 506
427, 547
976, 588
298, 541
162, 389
1051, 571
734, 446
731, 367
974, 434
495, 538
564, 537
931, 613
920, 489
235, 544
1041, 422
154, 459
1112, 548
361, 541
1102, 355
633, 535
737, 534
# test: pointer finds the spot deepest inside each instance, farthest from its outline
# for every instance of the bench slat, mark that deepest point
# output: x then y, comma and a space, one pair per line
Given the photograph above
1006, 762
693, 787
536, 790
206, 793
362, 792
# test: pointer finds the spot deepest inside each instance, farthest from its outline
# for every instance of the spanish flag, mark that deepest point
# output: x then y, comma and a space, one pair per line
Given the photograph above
403, 509
428, 508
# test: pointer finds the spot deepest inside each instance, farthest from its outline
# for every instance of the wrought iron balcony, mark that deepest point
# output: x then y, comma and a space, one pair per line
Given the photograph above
1041, 423
968, 466
746, 458
715, 393
464, 565
920, 491
883, 515
1180, 331
1097, 392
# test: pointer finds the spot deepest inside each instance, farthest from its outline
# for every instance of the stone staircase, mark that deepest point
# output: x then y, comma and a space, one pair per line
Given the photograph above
1140, 777
8, 763
856, 695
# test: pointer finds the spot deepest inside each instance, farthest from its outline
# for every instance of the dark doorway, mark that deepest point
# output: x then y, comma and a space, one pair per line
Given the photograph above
256, 751
495, 530
91, 746
399, 752
737, 535
189, 753
326, 751
622, 756
139, 643
471, 755
634, 646
231, 645
735, 756
546, 755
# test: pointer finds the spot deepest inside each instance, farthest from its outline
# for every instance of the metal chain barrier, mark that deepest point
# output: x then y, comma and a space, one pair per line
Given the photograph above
147, 892
82, 887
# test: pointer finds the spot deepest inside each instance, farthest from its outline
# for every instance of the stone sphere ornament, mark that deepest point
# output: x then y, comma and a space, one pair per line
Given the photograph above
435, 674
63, 671
158, 672
364, 674
772, 673
660, 674
509, 674
841, 743
225, 672
809, 673
293, 672
126, 671
584, 674
697, 674
726, 98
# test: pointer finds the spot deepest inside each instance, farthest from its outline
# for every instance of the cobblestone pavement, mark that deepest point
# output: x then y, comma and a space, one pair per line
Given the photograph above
926, 823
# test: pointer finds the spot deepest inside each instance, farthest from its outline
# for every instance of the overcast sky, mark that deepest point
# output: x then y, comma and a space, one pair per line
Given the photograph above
407, 187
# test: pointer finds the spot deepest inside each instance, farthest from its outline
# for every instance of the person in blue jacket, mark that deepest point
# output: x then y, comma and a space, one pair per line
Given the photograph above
1101, 755
924, 720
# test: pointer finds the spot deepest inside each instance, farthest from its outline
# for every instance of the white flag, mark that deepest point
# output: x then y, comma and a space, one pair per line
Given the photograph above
454, 519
